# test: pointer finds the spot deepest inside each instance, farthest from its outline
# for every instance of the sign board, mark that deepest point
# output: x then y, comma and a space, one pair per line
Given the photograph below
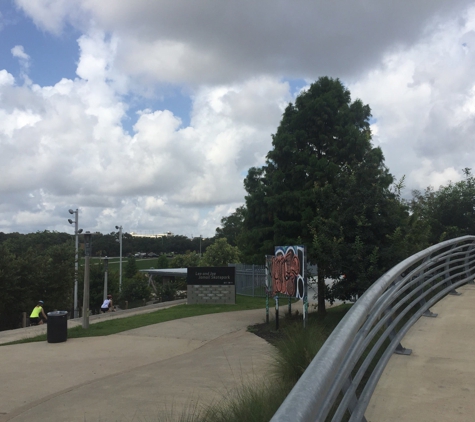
211, 275
288, 271
213, 285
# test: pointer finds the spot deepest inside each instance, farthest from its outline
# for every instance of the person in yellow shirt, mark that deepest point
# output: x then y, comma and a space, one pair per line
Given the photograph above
35, 317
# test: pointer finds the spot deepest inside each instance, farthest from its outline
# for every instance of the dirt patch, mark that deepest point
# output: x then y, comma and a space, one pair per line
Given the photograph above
268, 331
264, 331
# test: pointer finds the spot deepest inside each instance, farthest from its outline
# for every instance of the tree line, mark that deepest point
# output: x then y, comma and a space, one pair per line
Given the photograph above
40, 266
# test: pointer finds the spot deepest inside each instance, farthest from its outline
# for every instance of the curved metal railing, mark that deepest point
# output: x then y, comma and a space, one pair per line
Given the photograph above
340, 380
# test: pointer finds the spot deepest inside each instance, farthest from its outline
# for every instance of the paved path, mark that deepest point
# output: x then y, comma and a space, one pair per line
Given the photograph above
131, 376
437, 382
8, 336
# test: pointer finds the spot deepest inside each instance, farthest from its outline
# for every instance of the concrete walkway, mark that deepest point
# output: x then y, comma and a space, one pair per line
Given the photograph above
136, 375
8, 336
437, 382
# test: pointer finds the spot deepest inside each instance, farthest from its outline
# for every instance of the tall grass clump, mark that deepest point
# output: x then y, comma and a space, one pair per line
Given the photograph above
250, 402
299, 345
190, 413
296, 349
254, 401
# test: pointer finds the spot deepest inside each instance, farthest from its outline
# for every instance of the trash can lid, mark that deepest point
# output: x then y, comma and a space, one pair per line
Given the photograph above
57, 313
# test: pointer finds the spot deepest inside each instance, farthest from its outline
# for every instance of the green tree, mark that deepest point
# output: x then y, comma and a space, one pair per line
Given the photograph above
190, 259
14, 290
220, 254
162, 262
33, 267
449, 211
232, 226
135, 288
130, 267
96, 285
325, 186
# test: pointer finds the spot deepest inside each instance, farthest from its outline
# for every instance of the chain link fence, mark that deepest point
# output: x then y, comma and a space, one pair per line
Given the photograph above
250, 280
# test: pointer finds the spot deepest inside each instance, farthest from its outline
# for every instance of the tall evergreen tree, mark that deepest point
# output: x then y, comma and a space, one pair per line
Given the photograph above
323, 185
231, 226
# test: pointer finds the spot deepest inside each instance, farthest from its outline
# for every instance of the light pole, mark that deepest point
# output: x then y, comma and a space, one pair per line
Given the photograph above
76, 259
120, 258
106, 267
85, 303
200, 245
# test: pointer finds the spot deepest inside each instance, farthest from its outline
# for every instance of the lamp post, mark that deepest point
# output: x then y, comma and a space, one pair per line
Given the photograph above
85, 303
106, 267
200, 245
76, 259
120, 258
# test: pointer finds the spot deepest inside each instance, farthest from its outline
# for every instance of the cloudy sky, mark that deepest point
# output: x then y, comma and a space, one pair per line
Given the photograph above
148, 114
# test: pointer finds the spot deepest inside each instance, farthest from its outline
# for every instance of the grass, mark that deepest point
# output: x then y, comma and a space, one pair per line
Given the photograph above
160, 315
298, 345
114, 263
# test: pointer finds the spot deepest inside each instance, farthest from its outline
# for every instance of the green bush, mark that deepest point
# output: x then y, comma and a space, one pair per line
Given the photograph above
135, 288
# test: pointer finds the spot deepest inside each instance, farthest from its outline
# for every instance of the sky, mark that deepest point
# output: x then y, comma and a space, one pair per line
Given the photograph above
148, 115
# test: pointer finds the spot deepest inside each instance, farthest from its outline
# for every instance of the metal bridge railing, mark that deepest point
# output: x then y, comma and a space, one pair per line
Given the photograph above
340, 380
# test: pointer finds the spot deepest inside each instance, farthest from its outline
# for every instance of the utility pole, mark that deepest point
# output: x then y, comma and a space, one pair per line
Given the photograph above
85, 303
106, 267
77, 232
120, 258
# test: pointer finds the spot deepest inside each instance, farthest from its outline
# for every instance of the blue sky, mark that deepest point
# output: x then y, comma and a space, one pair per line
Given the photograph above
149, 114
52, 57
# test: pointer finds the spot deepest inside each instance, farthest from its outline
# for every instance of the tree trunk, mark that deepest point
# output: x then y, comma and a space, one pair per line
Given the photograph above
321, 294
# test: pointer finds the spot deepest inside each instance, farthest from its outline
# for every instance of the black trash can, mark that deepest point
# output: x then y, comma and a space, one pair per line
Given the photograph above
57, 330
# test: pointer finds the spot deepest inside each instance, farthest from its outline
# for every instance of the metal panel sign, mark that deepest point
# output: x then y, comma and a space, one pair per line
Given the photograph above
288, 273
224, 276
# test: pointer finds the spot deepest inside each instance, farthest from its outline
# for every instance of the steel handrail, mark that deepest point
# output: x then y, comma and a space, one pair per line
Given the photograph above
407, 290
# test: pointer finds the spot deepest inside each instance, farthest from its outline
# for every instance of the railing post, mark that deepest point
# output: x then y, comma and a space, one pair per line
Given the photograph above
354, 400
428, 313
467, 260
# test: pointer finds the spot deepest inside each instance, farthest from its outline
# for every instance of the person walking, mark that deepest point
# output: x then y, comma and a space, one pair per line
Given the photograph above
107, 304
38, 314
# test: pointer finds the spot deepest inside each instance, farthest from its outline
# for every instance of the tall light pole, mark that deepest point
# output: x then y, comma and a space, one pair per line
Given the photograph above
120, 258
76, 259
200, 245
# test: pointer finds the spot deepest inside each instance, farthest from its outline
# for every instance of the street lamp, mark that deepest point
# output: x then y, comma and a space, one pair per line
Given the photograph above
76, 259
85, 303
200, 245
120, 258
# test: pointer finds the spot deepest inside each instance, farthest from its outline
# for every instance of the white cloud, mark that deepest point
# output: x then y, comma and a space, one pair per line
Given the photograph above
70, 148
412, 64
423, 102
6, 78
19, 52
220, 42
50, 15
429, 176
